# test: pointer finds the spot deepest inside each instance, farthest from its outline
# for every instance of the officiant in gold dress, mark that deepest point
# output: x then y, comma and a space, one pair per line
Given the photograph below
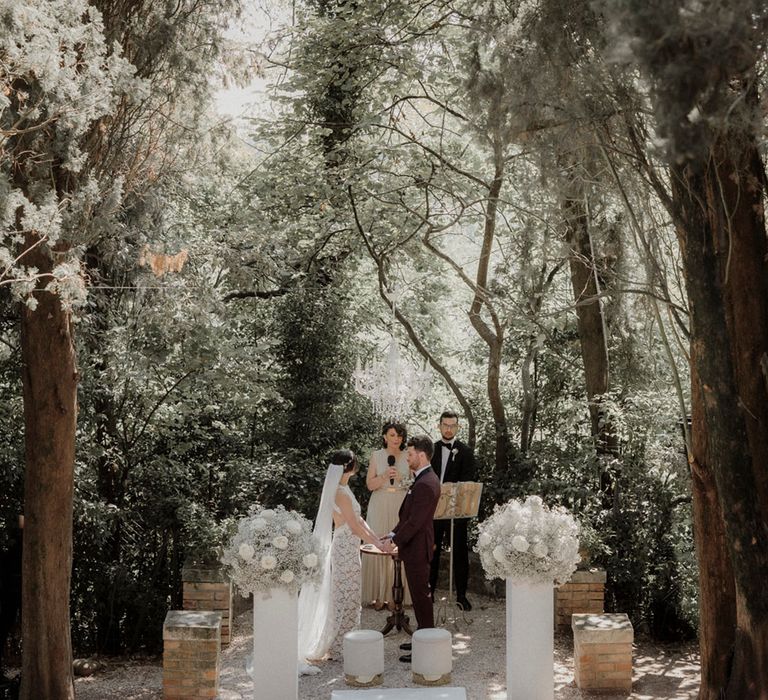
386, 479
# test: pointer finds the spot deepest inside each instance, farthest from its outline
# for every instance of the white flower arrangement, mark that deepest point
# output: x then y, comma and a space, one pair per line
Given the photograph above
272, 548
529, 542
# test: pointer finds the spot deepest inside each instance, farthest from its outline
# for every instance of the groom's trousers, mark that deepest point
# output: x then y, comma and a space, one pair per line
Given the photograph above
421, 596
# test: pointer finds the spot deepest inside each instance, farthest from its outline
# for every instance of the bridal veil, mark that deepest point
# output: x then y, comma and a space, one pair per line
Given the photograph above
315, 599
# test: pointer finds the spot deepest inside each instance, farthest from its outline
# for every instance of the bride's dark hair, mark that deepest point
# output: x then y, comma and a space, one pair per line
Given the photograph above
346, 458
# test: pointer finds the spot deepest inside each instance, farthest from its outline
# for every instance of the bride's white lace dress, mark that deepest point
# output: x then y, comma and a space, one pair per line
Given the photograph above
327, 613
345, 582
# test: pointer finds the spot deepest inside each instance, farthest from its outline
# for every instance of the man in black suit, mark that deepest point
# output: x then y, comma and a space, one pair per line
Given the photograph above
452, 461
413, 535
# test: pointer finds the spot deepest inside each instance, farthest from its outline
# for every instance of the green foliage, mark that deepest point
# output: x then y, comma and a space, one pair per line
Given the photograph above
317, 353
644, 541
11, 439
649, 557
228, 385
11, 435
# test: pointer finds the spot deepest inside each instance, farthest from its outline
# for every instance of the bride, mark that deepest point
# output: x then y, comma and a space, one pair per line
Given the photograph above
331, 609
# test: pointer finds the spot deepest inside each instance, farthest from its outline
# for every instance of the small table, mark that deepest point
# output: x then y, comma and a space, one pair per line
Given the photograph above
398, 619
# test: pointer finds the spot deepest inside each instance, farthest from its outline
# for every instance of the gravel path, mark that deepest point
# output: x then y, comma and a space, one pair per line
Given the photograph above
660, 672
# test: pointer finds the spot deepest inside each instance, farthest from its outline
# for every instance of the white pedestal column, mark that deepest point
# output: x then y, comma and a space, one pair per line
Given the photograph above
530, 641
275, 646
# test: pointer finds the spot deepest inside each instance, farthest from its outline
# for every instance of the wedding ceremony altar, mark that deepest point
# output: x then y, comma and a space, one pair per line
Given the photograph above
275, 552
508, 651
478, 664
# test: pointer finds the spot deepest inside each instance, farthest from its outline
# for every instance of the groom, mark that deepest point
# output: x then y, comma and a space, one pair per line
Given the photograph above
413, 535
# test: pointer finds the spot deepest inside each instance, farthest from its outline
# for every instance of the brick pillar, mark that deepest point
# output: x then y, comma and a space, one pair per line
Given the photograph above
584, 593
191, 655
602, 652
206, 588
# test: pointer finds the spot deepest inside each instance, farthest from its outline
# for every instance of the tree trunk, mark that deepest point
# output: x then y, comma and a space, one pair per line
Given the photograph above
725, 261
530, 400
717, 602
529, 367
498, 411
335, 106
49, 378
745, 291
592, 337
589, 317
493, 337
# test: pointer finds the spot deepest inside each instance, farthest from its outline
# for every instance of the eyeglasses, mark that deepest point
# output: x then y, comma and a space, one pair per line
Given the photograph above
449, 425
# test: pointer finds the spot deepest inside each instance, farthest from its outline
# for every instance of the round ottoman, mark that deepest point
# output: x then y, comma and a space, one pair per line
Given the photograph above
432, 660
363, 658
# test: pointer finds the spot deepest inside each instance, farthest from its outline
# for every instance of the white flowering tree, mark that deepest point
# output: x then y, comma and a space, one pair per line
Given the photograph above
89, 92
59, 79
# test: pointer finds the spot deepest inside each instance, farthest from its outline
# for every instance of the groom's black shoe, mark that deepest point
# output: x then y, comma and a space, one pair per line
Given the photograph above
464, 603
406, 658
407, 646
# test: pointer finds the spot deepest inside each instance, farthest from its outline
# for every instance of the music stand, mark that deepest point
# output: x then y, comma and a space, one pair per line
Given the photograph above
459, 499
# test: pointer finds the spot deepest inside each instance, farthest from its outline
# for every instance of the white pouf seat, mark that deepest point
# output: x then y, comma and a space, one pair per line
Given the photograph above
432, 660
363, 658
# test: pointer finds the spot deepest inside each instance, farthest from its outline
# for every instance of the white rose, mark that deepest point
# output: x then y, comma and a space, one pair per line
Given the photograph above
268, 514
293, 526
268, 562
287, 576
499, 554
281, 542
520, 543
534, 502
484, 540
259, 524
540, 550
246, 551
310, 560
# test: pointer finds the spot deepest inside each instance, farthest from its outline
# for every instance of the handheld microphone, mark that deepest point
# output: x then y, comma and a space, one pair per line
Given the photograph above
391, 463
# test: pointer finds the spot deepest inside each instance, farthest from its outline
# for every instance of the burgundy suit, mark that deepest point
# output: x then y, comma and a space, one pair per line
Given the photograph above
415, 537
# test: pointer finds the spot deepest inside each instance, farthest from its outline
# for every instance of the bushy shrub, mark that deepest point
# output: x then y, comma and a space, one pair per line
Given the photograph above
644, 541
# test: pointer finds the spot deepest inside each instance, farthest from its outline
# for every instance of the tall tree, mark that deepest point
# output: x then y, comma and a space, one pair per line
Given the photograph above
47, 113
592, 324
81, 127
704, 72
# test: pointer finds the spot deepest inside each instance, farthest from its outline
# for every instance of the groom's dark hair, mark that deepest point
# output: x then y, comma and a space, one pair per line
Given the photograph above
422, 443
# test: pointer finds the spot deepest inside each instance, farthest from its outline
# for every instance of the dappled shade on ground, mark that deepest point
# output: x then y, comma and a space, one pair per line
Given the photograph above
660, 672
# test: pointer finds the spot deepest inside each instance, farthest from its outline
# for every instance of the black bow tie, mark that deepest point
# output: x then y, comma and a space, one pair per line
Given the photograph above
446, 444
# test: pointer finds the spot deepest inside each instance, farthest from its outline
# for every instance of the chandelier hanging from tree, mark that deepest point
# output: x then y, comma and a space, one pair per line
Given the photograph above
391, 384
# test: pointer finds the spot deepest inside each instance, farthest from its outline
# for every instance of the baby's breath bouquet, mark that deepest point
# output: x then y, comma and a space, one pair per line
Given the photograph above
529, 542
272, 548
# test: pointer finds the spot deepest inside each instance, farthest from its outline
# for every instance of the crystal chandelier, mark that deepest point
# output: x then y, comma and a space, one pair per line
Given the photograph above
392, 384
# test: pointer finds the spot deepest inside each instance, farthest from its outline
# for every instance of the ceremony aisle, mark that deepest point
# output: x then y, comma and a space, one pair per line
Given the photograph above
668, 672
